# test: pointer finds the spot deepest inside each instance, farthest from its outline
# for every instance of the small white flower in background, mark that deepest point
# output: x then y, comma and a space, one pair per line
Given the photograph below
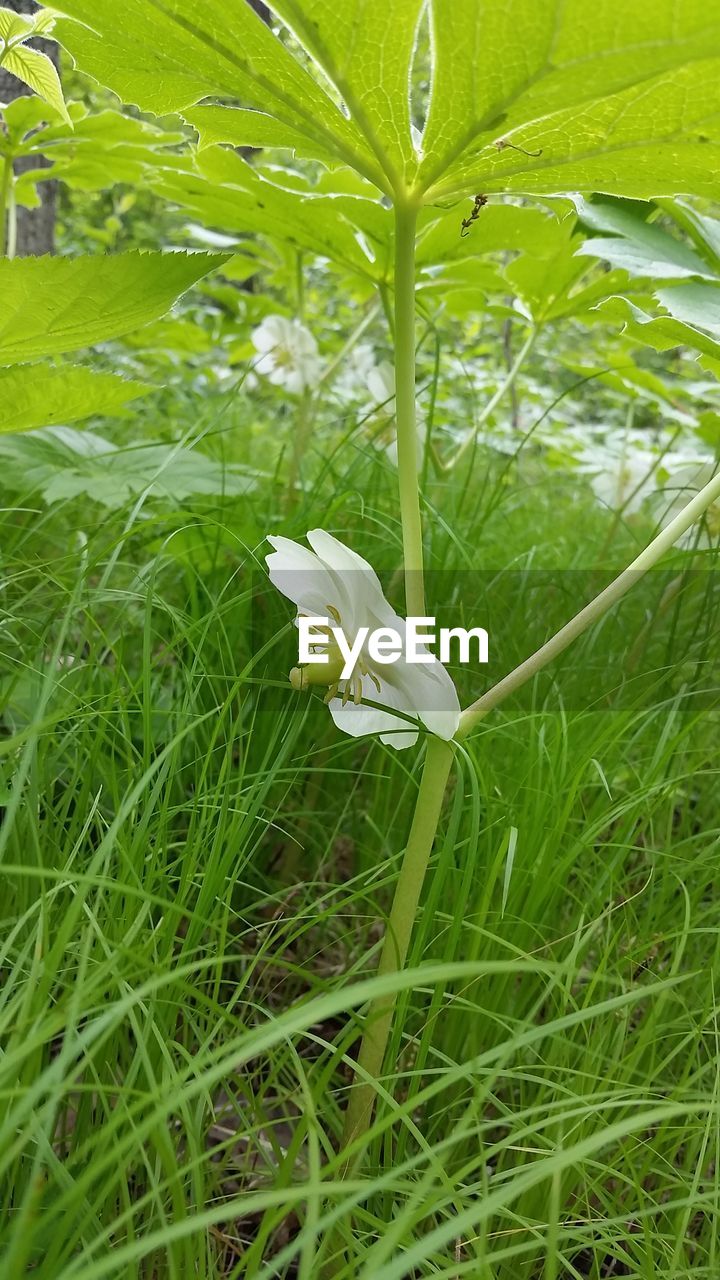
381, 385
686, 475
333, 581
352, 381
621, 478
289, 355
391, 449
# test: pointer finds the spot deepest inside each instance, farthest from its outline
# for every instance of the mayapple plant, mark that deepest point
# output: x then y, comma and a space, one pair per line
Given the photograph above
526, 98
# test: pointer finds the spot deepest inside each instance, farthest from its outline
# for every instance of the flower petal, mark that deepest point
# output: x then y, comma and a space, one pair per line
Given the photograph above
359, 581
269, 334
358, 721
428, 688
301, 576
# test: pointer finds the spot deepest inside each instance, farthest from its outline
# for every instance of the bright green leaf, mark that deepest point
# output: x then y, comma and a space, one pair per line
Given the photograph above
229, 195
44, 22
667, 259
366, 48
704, 230
662, 333
695, 304
36, 71
528, 96
40, 396
63, 464
619, 98
14, 26
169, 57
54, 305
242, 128
500, 228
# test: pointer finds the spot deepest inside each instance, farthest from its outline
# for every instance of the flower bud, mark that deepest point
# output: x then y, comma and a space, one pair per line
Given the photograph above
319, 673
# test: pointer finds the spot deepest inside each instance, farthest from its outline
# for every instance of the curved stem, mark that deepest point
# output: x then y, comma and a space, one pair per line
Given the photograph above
405, 226
593, 611
436, 771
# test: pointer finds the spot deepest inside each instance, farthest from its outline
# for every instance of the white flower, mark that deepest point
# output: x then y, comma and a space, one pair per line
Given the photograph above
332, 581
352, 381
288, 354
381, 385
621, 478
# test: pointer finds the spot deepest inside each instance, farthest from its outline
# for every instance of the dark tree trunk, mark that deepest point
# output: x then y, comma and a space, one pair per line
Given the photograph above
35, 227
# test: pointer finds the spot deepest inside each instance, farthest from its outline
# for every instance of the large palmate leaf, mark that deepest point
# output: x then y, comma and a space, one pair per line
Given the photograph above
528, 96
169, 55
54, 305
365, 47
41, 396
618, 97
226, 194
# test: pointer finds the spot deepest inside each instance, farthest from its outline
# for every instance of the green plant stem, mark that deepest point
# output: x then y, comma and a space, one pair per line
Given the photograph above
425, 822
593, 611
495, 400
300, 284
301, 440
11, 247
439, 754
5, 203
406, 416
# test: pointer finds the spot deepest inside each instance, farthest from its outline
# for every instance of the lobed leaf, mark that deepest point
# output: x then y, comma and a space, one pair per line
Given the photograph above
366, 49
63, 464
167, 55
242, 128
528, 96
43, 396
54, 305
662, 333
641, 247
227, 194
619, 98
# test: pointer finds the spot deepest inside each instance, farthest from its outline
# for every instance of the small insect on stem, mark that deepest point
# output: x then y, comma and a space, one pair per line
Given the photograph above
480, 202
503, 144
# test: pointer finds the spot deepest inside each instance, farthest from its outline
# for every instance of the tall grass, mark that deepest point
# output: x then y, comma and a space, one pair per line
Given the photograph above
195, 869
